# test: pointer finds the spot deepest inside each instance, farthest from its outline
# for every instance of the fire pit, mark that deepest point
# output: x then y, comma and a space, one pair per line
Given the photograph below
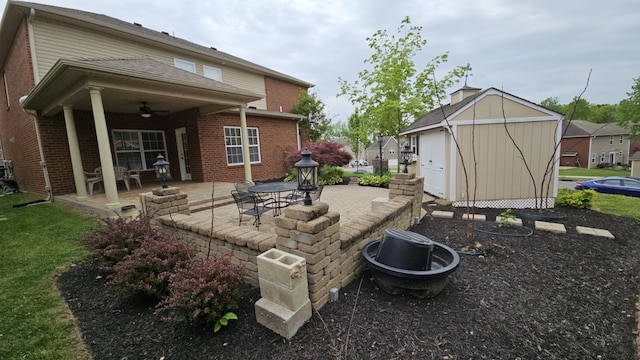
404, 262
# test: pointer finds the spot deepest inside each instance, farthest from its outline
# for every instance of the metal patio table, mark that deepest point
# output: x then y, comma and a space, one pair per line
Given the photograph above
276, 189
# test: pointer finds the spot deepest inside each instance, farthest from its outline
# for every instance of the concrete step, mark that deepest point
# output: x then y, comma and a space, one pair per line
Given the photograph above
207, 204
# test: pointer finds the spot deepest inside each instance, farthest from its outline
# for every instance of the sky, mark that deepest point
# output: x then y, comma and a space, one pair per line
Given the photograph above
534, 49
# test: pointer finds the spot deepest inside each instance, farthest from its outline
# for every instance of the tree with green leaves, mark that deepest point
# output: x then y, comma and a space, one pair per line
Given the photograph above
316, 123
358, 133
629, 110
392, 92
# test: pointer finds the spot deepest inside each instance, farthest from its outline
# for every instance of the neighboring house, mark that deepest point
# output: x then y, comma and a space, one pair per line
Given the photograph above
590, 145
84, 90
635, 164
479, 121
389, 149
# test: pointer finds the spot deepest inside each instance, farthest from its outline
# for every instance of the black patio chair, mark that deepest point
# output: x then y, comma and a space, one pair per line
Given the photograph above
297, 196
248, 205
243, 186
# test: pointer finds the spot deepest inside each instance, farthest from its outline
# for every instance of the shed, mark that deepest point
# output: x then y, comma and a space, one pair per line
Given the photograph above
635, 164
513, 142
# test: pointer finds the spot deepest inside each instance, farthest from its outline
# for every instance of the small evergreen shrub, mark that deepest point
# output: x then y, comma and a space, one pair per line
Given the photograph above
203, 291
375, 180
331, 175
148, 268
111, 243
580, 199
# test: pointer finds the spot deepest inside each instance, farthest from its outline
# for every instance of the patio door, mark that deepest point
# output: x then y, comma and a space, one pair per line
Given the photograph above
183, 153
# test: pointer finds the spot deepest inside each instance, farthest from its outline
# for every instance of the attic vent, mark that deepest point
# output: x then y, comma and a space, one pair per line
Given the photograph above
136, 24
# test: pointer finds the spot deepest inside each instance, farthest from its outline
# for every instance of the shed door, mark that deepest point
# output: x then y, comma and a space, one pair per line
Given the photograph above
432, 160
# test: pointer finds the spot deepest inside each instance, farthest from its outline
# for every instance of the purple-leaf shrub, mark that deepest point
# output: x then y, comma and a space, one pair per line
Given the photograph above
147, 269
111, 243
323, 152
203, 290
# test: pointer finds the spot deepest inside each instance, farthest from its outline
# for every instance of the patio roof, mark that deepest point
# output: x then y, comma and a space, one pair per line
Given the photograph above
126, 82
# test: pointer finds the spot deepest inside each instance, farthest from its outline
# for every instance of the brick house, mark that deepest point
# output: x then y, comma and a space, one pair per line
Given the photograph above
85, 90
591, 145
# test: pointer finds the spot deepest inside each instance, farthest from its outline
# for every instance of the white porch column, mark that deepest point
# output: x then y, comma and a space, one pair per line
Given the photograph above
74, 149
245, 144
104, 149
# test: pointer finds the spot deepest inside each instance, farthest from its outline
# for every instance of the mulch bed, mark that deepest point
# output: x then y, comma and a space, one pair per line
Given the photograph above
545, 296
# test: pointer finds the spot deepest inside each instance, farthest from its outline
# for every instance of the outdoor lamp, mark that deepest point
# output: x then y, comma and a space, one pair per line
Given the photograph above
162, 170
307, 175
406, 154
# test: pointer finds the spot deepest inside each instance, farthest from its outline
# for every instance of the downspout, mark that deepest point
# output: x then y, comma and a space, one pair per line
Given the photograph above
36, 78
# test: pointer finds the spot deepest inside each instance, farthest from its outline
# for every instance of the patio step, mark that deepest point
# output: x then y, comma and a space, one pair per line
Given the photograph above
206, 204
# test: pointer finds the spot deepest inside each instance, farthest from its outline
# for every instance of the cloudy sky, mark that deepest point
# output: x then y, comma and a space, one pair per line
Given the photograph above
534, 49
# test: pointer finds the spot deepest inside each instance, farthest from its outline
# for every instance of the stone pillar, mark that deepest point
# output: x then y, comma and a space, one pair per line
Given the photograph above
313, 232
166, 201
284, 306
408, 185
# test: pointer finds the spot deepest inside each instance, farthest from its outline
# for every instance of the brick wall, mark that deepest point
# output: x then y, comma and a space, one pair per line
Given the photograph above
280, 93
581, 146
277, 138
17, 127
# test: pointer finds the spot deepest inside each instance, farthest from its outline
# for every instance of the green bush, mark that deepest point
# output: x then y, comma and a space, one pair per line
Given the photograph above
331, 175
375, 180
580, 199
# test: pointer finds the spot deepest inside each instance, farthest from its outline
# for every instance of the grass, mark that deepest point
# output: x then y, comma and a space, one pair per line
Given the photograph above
37, 242
566, 173
618, 205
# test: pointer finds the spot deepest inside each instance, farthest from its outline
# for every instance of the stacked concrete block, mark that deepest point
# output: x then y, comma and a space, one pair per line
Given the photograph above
408, 185
284, 306
313, 232
166, 201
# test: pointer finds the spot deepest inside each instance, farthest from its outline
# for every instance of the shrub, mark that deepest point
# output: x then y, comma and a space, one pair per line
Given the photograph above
375, 180
203, 291
148, 268
331, 175
580, 199
111, 243
323, 152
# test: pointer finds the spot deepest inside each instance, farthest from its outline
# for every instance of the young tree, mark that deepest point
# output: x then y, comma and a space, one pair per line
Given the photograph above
358, 133
629, 110
392, 90
316, 122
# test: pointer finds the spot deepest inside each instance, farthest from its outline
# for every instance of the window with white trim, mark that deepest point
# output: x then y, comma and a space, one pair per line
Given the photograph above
212, 72
610, 139
233, 145
414, 144
593, 157
602, 157
185, 65
138, 149
620, 140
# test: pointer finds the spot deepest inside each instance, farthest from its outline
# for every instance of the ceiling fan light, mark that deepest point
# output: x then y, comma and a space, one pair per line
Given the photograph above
145, 115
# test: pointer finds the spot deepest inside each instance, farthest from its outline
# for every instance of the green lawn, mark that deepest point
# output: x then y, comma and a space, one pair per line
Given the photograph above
593, 172
36, 243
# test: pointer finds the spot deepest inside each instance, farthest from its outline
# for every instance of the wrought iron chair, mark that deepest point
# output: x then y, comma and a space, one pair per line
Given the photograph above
243, 186
296, 196
248, 205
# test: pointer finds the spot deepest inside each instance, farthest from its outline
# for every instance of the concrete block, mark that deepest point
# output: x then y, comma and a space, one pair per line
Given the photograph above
282, 268
475, 217
551, 227
442, 214
290, 299
594, 232
280, 320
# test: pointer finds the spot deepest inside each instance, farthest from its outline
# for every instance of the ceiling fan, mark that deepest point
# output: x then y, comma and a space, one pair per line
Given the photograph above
146, 112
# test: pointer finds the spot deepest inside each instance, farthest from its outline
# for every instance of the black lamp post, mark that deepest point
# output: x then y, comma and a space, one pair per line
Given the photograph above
406, 155
162, 170
380, 144
307, 175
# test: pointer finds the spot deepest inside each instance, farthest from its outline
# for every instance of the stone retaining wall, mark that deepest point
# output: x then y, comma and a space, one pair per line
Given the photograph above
331, 248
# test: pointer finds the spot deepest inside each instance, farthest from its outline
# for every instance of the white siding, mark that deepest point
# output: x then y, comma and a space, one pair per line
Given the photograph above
54, 41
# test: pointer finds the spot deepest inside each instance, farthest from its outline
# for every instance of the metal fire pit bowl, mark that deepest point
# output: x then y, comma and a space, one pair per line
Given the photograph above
404, 262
